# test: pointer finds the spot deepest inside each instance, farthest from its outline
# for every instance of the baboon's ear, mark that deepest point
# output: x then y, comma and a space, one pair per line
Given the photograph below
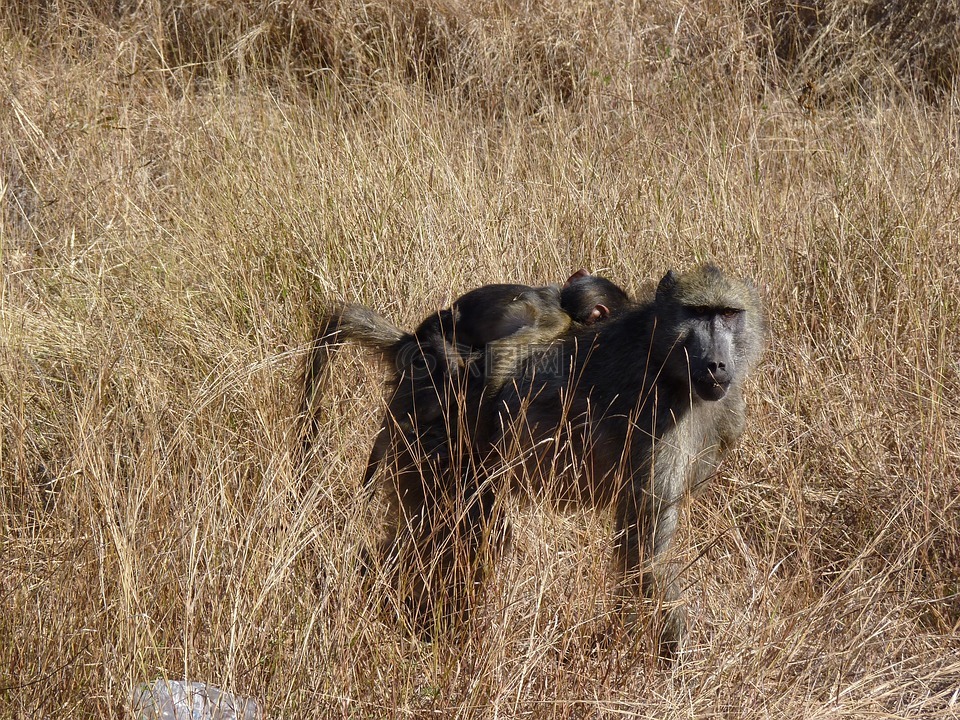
599, 312
667, 283
582, 272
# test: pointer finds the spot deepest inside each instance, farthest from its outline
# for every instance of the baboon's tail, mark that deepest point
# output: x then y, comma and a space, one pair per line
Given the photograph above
341, 324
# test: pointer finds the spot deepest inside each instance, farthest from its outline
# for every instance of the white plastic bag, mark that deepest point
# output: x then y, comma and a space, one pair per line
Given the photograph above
186, 700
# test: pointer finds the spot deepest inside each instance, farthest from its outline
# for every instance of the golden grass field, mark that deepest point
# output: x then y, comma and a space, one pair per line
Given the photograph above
183, 183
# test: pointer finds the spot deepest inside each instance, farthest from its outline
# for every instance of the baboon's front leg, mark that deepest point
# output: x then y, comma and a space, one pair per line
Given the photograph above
646, 524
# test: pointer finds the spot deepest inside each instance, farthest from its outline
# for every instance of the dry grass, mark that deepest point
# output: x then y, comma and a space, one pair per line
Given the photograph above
179, 182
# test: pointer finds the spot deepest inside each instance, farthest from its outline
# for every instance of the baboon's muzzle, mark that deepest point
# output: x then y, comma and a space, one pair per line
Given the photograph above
713, 382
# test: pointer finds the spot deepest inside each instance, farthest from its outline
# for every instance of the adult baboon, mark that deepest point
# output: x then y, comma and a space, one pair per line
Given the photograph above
628, 413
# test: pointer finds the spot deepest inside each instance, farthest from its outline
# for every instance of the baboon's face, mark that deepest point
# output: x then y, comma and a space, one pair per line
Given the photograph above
716, 328
710, 347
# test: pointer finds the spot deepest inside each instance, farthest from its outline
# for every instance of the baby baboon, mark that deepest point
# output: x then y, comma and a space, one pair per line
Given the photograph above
584, 299
494, 312
588, 298
524, 320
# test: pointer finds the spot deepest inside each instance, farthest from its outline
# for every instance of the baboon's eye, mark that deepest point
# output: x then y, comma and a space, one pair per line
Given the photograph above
700, 310
729, 312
